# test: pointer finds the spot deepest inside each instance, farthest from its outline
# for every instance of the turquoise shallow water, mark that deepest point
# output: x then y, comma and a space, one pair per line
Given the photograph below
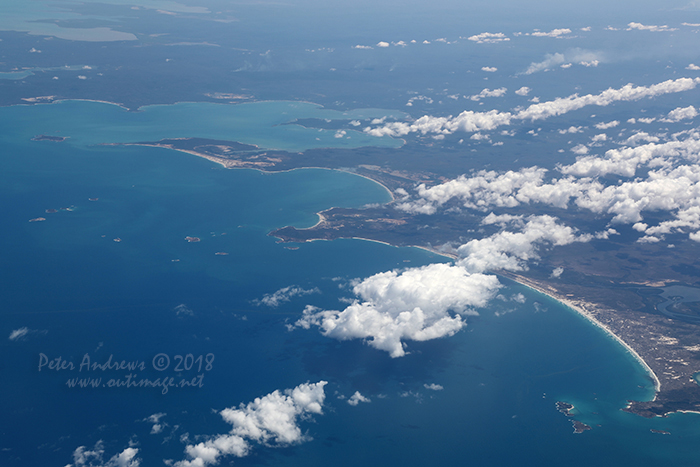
261, 123
78, 292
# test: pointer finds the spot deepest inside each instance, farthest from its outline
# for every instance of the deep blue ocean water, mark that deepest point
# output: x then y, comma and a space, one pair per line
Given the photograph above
78, 292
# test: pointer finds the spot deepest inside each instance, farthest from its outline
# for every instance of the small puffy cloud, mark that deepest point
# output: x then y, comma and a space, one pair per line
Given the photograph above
576, 55
599, 138
19, 333
433, 387
479, 137
641, 137
271, 420
557, 272
571, 129
382, 44
519, 298
579, 149
34, 51
340, 134
552, 33
83, 457
681, 113
550, 61
488, 93
488, 38
357, 398
693, 67
524, 91
82, 77
607, 125
489, 69
415, 304
157, 426
24, 332
284, 295
364, 47
652, 28
355, 123
183, 310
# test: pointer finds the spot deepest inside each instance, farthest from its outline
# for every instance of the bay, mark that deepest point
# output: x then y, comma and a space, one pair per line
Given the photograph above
79, 292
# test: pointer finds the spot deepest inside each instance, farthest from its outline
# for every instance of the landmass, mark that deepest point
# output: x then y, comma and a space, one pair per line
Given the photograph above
579, 427
609, 283
567, 409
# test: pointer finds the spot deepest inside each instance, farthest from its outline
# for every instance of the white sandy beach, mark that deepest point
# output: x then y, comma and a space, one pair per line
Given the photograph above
589, 316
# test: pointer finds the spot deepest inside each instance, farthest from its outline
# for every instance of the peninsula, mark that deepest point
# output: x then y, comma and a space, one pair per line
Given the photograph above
622, 300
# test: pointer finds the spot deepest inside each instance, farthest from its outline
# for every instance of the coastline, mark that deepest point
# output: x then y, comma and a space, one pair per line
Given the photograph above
589, 316
232, 164
578, 306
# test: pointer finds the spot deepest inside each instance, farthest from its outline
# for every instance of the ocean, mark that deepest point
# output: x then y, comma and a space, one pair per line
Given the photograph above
110, 273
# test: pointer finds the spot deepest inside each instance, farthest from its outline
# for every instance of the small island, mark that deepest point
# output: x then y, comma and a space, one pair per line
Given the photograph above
193, 239
568, 409
57, 139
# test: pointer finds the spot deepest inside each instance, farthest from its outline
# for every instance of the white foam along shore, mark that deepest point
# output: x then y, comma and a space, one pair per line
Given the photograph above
587, 315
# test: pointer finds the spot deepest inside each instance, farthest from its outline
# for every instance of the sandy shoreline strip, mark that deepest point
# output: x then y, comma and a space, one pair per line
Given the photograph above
589, 316
233, 164
573, 306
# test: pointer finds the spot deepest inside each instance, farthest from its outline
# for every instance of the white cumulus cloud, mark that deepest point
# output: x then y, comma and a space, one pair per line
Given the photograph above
607, 125
652, 28
488, 93
271, 420
512, 250
356, 398
489, 38
576, 55
284, 295
681, 113
671, 185
415, 304
472, 122
552, 33
83, 457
